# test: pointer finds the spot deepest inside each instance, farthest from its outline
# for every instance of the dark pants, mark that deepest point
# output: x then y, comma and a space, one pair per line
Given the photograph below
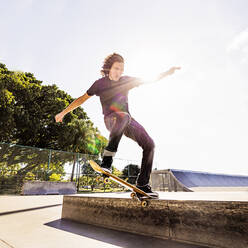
119, 123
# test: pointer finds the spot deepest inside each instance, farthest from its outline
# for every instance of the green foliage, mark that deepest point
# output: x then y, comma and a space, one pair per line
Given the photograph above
89, 177
27, 116
55, 177
29, 176
116, 172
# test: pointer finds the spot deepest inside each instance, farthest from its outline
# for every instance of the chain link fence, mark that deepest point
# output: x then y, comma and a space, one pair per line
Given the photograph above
19, 164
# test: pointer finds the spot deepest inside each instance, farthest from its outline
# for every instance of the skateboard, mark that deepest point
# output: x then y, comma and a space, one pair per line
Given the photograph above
143, 197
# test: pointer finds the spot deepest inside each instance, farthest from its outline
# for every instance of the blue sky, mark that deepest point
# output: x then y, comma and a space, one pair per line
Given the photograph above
198, 118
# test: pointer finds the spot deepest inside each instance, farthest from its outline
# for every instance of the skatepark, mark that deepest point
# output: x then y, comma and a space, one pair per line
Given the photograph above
194, 181
195, 209
123, 124
177, 220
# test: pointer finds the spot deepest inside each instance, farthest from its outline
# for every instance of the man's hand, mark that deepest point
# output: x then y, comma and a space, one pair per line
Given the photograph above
167, 73
172, 70
59, 117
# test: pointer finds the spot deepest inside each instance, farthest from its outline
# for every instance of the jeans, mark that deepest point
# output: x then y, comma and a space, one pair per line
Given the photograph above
119, 123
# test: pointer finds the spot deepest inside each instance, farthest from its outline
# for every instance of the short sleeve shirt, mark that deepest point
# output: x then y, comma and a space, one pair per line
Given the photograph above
113, 94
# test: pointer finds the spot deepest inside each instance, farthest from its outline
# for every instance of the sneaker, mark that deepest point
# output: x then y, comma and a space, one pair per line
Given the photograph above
106, 164
148, 190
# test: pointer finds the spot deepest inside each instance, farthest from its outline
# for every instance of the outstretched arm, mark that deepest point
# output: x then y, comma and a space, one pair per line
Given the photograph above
76, 103
167, 73
164, 74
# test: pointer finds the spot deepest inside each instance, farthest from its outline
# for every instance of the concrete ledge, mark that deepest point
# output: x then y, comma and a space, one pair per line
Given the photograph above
213, 223
48, 188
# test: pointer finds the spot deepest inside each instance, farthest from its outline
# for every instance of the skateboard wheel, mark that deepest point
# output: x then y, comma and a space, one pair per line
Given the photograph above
144, 204
106, 180
133, 195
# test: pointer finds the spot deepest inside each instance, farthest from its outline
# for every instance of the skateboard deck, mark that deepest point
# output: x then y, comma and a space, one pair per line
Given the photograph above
135, 190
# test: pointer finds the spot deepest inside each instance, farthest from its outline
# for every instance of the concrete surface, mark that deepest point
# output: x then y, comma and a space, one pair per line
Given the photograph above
190, 196
215, 219
35, 222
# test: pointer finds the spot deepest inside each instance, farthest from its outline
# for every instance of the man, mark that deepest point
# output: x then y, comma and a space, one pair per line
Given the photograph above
113, 89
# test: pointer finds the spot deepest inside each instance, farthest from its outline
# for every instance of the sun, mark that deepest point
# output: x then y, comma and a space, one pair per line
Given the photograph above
147, 69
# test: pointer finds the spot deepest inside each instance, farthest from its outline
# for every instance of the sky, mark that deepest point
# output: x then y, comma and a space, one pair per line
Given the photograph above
198, 117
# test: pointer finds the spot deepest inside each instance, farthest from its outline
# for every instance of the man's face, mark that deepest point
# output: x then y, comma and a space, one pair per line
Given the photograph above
116, 71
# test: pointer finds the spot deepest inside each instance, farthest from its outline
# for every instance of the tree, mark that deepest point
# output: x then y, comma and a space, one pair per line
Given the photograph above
27, 116
131, 171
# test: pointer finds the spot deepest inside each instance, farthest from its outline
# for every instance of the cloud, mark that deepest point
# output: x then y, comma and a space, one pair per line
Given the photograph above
238, 46
239, 42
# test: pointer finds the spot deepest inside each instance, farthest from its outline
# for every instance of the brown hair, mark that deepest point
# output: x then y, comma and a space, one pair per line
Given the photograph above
109, 61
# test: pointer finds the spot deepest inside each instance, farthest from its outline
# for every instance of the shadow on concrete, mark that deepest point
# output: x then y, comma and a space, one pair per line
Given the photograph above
118, 238
28, 209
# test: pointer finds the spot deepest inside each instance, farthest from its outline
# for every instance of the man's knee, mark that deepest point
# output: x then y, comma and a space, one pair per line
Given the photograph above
124, 117
150, 145
127, 117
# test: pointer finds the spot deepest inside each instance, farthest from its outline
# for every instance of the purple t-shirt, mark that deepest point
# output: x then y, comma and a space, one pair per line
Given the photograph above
113, 94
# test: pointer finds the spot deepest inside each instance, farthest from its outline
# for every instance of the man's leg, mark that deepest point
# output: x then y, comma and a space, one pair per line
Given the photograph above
116, 123
136, 132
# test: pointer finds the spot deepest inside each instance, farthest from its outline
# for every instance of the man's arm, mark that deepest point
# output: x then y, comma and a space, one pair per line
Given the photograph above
76, 103
164, 74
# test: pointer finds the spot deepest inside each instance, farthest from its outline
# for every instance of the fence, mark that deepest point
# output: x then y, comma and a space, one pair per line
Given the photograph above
22, 163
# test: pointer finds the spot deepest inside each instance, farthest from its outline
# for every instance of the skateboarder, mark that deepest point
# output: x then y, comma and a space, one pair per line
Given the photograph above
113, 90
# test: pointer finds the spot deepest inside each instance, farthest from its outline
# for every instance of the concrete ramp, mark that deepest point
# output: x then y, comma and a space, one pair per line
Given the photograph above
48, 188
183, 180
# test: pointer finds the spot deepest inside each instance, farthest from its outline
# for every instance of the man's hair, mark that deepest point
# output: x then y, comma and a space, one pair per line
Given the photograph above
109, 61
